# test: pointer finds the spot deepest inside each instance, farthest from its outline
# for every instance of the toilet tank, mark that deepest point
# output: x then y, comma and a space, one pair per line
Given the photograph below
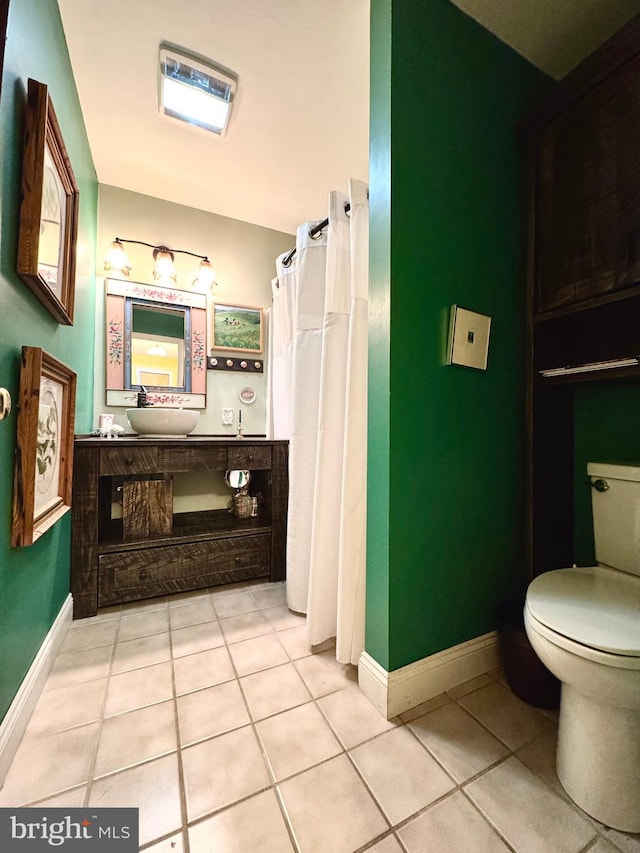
615, 498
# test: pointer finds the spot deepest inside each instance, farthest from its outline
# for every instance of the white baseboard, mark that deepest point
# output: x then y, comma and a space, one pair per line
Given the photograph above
401, 689
19, 713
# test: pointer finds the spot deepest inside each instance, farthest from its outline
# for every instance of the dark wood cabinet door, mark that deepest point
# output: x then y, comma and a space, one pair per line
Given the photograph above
576, 202
628, 174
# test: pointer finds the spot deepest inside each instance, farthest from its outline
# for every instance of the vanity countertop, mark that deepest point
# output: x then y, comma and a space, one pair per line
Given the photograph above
133, 438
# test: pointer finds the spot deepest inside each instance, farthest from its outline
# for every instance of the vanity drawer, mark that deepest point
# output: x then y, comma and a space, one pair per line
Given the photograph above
172, 459
128, 460
250, 456
130, 575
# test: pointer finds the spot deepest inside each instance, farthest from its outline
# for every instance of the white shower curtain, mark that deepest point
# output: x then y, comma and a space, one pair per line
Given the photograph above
318, 387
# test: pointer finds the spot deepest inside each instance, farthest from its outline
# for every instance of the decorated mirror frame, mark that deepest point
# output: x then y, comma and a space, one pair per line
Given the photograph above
119, 298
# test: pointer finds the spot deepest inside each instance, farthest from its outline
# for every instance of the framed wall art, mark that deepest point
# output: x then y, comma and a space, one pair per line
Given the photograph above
49, 210
44, 448
236, 327
4, 16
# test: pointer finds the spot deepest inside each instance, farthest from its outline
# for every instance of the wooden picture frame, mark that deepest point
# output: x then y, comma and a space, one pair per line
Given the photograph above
237, 327
4, 17
44, 448
48, 228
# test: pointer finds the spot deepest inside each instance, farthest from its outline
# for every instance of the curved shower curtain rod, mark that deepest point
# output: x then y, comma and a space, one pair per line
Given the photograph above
313, 232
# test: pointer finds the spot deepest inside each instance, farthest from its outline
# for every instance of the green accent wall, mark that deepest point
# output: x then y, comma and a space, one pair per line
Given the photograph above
606, 429
34, 581
448, 225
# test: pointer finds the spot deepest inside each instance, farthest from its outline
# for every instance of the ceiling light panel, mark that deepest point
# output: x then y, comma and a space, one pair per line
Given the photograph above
195, 91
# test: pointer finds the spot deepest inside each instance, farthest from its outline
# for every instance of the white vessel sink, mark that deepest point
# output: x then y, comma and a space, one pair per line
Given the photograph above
156, 422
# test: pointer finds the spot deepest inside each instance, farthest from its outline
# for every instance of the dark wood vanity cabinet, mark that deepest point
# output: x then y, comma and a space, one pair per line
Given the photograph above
155, 551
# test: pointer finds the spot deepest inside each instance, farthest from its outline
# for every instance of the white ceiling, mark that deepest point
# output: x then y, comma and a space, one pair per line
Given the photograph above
300, 123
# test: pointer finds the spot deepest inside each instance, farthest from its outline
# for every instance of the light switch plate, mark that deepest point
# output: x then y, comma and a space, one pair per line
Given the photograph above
227, 417
468, 338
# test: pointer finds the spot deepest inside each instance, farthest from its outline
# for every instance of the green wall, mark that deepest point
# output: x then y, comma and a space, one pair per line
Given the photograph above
34, 581
606, 429
447, 226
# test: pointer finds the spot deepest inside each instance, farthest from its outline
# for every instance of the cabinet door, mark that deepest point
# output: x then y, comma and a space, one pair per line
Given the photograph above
576, 202
628, 161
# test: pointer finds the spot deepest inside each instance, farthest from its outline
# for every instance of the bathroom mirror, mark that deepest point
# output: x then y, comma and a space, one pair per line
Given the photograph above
157, 346
237, 479
156, 337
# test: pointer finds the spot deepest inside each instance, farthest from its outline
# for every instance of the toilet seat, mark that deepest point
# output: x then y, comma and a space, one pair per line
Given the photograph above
594, 607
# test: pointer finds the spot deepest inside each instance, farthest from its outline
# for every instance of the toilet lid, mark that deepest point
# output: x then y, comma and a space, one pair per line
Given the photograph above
594, 606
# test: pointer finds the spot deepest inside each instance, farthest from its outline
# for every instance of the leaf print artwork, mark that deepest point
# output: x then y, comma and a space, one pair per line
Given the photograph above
47, 442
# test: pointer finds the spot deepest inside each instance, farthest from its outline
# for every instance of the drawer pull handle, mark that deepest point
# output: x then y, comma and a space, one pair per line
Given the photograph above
143, 575
128, 460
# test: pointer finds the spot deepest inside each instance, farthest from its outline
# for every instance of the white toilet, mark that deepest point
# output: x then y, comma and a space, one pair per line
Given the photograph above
584, 624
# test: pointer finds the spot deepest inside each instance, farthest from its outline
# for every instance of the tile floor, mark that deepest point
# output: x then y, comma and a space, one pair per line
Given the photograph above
208, 712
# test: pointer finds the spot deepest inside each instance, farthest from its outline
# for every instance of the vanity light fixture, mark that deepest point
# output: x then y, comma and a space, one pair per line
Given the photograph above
195, 90
117, 259
164, 270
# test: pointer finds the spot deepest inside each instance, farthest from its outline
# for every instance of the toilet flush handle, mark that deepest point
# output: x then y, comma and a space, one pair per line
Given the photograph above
600, 485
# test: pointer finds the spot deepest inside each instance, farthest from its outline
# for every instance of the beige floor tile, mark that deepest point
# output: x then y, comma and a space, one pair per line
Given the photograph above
216, 592
602, 845
79, 667
46, 766
192, 613
144, 606
193, 596
145, 651
400, 773
245, 626
223, 770
173, 844
154, 788
72, 799
624, 841
387, 845
65, 707
469, 686
253, 825
234, 605
352, 716
136, 736
296, 740
295, 642
210, 712
137, 688
540, 756
202, 669
281, 618
270, 596
423, 707
333, 788
136, 625
504, 714
196, 638
451, 825
257, 654
274, 690
90, 635
526, 812
459, 743
323, 674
